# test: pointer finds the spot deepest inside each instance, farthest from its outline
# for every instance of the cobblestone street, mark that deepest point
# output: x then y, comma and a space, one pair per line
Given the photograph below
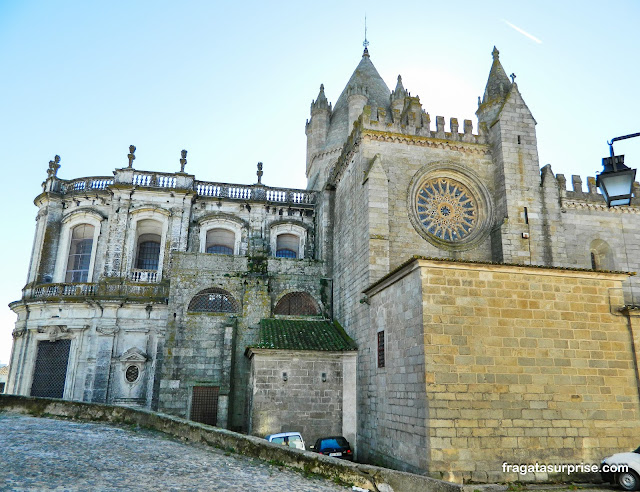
49, 454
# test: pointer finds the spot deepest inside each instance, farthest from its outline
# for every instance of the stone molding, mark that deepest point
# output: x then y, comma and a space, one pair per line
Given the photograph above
600, 207
424, 141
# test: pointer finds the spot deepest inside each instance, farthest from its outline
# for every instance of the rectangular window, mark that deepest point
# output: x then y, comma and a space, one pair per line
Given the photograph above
381, 349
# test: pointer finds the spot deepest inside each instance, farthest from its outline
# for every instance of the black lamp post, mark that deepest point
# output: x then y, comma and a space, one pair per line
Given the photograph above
616, 180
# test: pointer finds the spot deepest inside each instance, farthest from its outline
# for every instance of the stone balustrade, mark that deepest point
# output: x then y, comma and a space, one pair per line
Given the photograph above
201, 188
136, 288
139, 275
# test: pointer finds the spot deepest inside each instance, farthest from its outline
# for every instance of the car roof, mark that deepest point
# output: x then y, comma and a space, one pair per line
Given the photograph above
284, 434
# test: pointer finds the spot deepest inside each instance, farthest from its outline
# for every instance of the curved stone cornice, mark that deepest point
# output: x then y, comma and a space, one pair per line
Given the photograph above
150, 209
220, 216
84, 211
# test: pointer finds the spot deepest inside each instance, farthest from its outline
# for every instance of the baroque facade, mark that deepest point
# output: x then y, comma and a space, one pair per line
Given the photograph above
433, 295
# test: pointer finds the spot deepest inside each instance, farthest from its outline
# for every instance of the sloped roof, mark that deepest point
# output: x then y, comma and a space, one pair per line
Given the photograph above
297, 334
4, 370
365, 76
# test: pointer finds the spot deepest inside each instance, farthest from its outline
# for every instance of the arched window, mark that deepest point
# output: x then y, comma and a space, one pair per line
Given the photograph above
148, 242
80, 253
601, 255
287, 246
213, 300
220, 241
297, 304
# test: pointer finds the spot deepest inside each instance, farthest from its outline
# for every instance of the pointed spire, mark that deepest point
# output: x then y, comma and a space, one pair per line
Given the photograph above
498, 84
399, 91
398, 95
321, 101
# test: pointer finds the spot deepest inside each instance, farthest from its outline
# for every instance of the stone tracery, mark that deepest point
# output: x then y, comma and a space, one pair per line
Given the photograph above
446, 209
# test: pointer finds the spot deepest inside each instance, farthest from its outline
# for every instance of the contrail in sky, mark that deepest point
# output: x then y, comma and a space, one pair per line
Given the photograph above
521, 31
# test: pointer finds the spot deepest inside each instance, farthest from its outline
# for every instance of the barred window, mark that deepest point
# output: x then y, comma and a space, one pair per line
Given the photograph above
381, 349
213, 301
297, 303
80, 253
220, 241
132, 373
148, 252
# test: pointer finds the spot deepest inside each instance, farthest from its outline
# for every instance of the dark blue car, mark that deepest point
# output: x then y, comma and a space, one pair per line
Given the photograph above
336, 446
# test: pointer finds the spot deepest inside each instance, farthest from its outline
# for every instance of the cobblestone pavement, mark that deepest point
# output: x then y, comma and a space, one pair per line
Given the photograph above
49, 454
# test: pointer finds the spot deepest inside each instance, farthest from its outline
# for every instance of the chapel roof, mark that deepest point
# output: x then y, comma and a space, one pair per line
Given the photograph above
297, 334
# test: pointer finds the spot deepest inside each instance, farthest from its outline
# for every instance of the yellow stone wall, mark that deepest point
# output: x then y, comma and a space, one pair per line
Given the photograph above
525, 364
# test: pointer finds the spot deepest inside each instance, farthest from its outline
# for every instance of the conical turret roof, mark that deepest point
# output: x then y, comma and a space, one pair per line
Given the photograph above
498, 84
366, 79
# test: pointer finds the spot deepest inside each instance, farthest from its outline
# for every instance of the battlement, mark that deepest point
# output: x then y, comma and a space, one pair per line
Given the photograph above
413, 120
575, 191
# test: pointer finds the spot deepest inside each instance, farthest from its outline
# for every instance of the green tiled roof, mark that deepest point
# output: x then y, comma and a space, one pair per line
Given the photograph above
295, 334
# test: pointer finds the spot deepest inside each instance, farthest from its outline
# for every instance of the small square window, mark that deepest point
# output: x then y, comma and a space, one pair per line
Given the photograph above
381, 349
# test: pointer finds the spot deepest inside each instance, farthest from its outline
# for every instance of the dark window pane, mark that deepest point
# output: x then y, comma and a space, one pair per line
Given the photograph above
285, 253
219, 249
148, 254
381, 349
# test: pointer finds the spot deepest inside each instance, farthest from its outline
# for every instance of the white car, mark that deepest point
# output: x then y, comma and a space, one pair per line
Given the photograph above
291, 439
622, 469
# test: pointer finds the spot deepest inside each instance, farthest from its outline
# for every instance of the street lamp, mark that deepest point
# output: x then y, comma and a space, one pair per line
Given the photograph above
616, 180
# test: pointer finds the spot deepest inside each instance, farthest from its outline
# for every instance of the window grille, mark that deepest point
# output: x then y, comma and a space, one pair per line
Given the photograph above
297, 303
204, 404
213, 301
80, 253
132, 373
148, 253
50, 372
381, 349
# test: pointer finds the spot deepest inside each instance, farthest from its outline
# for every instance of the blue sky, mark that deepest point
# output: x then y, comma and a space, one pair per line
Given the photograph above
231, 82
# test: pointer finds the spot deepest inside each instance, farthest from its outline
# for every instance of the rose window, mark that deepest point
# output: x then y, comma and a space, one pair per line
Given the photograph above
446, 209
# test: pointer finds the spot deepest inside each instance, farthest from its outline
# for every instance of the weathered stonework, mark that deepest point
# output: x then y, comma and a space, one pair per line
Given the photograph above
509, 339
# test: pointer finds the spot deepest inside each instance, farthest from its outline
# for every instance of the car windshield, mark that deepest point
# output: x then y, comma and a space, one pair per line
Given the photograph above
334, 442
277, 440
295, 442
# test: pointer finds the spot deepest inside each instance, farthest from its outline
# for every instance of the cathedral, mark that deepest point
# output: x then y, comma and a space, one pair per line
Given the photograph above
434, 295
